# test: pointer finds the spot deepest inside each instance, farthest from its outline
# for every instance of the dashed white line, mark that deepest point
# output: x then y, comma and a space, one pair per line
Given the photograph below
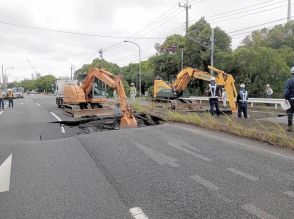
257, 212
38, 104
205, 183
58, 119
138, 213
62, 129
1, 113
53, 114
179, 147
290, 193
156, 156
240, 173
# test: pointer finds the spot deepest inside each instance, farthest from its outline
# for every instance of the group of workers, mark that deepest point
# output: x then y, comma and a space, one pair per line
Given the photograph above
242, 98
9, 97
214, 93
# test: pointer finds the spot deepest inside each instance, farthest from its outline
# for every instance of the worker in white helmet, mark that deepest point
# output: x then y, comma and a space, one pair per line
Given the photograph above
242, 100
289, 99
133, 92
214, 93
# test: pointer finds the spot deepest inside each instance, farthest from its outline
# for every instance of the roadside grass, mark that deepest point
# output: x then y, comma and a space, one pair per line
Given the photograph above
273, 134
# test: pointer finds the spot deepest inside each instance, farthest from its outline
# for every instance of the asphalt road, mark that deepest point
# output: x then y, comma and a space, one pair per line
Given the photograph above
168, 171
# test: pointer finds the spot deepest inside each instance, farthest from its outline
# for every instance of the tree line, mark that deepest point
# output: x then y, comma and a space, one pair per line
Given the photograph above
264, 57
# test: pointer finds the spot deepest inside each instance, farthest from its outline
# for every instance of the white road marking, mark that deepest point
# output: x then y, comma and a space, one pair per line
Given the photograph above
58, 119
21, 103
179, 147
5, 170
38, 104
257, 212
205, 183
62, 129
290, 193
138, 213
157, 156
1, 113
220, 137
240, 173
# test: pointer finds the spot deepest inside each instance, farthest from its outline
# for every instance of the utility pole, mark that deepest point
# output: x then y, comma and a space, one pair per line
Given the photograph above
182, 58
187, 7
101, 56
212, 50
289, 11
2, 75
71, 71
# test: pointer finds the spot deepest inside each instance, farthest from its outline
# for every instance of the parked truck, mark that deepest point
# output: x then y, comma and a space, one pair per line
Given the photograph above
59, 89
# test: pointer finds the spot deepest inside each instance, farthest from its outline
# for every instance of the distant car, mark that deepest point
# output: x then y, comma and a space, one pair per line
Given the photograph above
18, 95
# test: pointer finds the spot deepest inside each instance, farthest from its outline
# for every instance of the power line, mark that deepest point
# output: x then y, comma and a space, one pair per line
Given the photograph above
256, 26
254, 9
77, 33
238, 9
246, 15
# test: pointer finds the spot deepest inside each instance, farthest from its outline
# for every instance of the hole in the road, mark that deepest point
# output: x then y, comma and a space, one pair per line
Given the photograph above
91, 124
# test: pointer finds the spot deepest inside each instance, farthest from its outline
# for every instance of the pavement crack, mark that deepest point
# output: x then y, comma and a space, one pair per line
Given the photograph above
110, 179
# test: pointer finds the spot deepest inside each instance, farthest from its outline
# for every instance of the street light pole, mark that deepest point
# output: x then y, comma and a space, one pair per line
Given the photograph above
6, 77
140, 73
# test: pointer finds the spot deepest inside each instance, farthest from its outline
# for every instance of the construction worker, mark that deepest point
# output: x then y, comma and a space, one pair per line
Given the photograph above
133, 92
1, 100
289, 99
268, 93
213, 92
242, 100
10, 97
224, 98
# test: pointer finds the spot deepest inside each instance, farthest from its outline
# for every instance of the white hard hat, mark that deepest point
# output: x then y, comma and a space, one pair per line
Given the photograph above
292, 70
268, 85
242, 85
212, 78
132, 84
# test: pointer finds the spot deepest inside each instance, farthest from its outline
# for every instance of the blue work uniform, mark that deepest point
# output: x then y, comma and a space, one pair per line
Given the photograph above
242, 100
289, 95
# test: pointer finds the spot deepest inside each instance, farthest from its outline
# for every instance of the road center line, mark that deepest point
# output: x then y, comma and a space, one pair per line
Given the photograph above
240, 173
138, 213
5, 171
290, 193
157, 156
257, 212
205, 183
179, 147
38, 104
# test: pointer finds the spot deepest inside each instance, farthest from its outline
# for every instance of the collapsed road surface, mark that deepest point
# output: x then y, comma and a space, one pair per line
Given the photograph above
166, 171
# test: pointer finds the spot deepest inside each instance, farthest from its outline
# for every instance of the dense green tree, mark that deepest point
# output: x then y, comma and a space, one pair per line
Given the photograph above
45, 83
81, 73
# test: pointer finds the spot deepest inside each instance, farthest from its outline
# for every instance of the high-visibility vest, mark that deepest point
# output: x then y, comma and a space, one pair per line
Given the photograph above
213, 89
243, 96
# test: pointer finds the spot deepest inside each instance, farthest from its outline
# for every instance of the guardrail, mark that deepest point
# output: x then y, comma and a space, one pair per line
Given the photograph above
273, 101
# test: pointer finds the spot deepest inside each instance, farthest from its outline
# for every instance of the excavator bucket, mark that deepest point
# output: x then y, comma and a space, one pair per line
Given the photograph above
128, 122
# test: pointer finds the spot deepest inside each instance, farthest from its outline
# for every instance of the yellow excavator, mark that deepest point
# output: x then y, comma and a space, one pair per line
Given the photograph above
164, 90
87, 100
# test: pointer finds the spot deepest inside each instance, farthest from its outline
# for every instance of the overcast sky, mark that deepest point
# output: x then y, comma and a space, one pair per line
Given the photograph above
53, 52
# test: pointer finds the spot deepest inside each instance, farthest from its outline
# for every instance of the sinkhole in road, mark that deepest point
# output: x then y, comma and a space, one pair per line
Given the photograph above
92, 124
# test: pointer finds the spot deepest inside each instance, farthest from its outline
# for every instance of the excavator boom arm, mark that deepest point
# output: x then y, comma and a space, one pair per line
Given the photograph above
115, 82
222, 78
